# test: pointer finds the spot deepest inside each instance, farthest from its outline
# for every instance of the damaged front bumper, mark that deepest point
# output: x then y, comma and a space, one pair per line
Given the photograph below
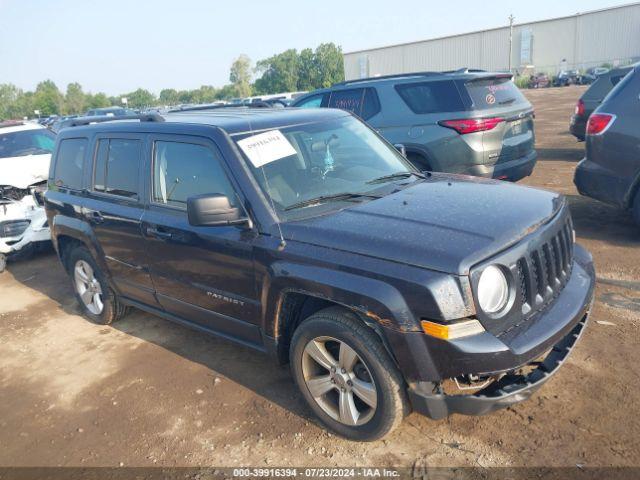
22, 223
502, 393
538, 347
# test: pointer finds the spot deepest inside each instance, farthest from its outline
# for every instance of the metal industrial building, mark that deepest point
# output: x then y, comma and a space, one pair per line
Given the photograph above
579, 41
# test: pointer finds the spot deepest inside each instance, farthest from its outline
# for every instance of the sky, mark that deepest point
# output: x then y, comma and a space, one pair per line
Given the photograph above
116, 46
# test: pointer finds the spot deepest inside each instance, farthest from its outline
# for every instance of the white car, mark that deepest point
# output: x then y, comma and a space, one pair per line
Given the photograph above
25, 154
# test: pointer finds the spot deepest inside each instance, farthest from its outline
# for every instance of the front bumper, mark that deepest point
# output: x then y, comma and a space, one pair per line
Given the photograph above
508, 390
426, 361
513, 170
37, 231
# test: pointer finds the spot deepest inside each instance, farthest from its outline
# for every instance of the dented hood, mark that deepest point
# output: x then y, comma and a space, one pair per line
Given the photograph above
24, 171
445, 223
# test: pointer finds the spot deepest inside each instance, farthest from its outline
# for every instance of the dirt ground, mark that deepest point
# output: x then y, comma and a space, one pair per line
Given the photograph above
146, 392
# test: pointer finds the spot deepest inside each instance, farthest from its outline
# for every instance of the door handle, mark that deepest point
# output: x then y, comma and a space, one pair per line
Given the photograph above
154, 232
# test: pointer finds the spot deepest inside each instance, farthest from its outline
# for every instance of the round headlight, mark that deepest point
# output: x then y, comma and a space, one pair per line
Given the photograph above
493, 290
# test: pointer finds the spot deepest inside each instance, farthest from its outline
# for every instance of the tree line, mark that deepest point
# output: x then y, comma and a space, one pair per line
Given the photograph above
284, 72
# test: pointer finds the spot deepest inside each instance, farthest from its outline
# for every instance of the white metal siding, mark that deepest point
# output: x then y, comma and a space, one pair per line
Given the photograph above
583, 41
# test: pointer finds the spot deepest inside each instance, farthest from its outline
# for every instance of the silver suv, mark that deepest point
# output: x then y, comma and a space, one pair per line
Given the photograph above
466, 121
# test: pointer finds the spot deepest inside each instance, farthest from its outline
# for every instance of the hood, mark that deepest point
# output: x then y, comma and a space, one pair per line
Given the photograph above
22, 172
445, 223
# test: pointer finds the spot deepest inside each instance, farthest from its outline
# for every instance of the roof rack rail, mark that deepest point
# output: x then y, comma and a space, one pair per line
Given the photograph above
193, 108
384, 77
144, 117
466, 70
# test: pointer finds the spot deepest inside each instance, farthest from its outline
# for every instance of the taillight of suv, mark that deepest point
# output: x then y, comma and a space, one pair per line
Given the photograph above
598, 123
471, 125
580, 108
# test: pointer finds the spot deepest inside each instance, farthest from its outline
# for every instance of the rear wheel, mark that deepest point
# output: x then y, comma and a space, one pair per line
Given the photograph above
346, 375
97, 301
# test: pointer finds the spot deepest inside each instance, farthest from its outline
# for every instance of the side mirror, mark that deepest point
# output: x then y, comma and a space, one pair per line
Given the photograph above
401, 148
213, 209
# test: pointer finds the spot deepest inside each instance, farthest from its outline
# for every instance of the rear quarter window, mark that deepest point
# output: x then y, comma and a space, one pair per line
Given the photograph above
489, 93
361, 101
70, 163
431, 97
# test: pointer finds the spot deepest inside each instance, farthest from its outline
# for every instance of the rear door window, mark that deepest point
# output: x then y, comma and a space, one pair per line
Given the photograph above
117, 166
361, 101
494, 92
431, 97
70, 162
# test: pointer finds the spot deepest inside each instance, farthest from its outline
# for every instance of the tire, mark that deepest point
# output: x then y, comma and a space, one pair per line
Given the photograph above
372, 376
419, 161
111, 309
3, 262
636, 208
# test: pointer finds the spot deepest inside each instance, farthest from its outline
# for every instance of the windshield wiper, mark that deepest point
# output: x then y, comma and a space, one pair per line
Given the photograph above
394, 176
331, 198
507, 101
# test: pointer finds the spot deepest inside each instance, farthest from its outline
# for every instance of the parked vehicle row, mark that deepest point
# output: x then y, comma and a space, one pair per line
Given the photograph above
610, 171
594, 95
349, 250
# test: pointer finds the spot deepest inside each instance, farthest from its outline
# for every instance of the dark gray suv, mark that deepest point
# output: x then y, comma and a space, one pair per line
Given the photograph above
467, 121
590, 99
610, 171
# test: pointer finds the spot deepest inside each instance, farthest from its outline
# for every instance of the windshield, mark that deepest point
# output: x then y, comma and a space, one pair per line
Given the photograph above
340, 158
26, 142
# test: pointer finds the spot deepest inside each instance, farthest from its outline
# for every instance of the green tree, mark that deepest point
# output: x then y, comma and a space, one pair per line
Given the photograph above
48, 99
140, 98
227, 92
279, 73
168, 96
9, 98
74, 99
204, 94
240, 75
329, 65
99, 100
307, 71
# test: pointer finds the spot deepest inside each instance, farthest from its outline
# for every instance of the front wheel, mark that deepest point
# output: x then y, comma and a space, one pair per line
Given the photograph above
346, 375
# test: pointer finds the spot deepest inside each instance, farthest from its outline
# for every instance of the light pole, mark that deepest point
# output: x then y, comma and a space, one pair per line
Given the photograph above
511, 18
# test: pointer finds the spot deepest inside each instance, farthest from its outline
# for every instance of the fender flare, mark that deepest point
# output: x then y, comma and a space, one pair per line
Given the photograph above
81, 231
375, 300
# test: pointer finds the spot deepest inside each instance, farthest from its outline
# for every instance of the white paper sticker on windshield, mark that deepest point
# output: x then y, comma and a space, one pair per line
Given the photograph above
266, 147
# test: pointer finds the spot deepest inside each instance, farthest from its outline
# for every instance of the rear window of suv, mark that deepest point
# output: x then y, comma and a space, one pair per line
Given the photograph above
69, 163
431, 97
489, 93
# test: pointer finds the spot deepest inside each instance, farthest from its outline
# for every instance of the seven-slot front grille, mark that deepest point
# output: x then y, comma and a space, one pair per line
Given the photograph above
544, 271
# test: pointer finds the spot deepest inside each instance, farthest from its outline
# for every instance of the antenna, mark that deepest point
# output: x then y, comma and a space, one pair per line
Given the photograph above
283, 243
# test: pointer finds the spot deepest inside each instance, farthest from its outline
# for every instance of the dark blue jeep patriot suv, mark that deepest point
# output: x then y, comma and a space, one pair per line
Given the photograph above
305, 235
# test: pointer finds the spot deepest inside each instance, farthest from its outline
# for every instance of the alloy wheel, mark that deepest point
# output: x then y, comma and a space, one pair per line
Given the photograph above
339, 381
88, 287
